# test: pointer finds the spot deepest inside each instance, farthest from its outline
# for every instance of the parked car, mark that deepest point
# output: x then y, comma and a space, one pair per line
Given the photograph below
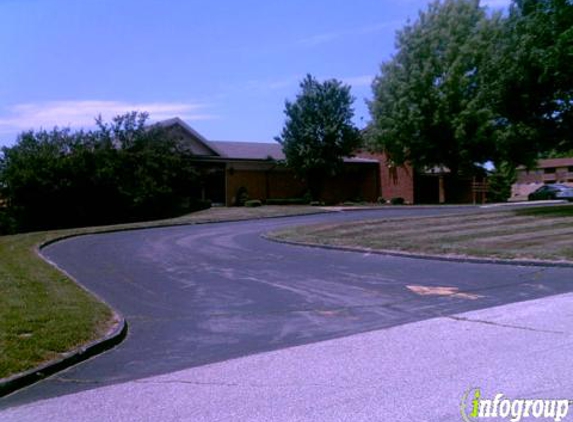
552, 191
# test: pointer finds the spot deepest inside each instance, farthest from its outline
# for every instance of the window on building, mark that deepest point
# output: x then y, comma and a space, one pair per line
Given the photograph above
570, 169
549, 170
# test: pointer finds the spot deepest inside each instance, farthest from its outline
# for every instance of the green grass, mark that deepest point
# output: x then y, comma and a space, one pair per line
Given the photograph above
43, 314
561, 211
541, 233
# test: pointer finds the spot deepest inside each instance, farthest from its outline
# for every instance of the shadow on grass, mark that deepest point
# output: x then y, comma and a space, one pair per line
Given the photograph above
556, 211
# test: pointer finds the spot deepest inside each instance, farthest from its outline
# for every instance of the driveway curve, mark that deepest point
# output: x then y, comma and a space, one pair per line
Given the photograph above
201, 294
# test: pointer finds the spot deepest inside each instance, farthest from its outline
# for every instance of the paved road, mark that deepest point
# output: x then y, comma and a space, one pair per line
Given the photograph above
199, 295
411, 372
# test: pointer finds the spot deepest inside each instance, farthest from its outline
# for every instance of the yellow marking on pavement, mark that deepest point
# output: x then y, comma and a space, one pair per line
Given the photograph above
442, 291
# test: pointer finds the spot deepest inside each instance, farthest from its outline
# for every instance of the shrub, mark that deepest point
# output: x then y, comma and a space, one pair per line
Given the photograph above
397, 201
500, 181
8, 224
253, 203
199, 205
351, 203
241, 197
120, 172
287, 201
381, 200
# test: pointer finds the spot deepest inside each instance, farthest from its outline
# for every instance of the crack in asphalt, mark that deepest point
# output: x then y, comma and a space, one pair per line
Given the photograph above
219, 292
325, 311
393, 306
499, 324
535, 274
248, 384
75, 380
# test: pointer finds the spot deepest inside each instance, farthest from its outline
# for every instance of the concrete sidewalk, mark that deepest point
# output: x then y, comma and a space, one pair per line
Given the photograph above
414, 372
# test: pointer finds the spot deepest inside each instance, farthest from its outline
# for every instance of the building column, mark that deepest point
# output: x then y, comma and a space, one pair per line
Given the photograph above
226, 169
441, 190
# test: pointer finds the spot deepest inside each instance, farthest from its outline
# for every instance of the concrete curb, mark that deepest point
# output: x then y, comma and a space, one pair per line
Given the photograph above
24, 379
344, 208
461, 259
120, 329
116, 335
526, 203
95, 230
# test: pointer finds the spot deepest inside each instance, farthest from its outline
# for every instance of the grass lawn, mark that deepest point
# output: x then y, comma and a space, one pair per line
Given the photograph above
540, 233
43, 314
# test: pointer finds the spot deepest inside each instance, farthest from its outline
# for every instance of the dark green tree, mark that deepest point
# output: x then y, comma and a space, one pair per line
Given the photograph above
532, 80
318, 132
427, 107
123, 171
152, 171
500, 181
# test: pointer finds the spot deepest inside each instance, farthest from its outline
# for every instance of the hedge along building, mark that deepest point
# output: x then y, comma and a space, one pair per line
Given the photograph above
228, 167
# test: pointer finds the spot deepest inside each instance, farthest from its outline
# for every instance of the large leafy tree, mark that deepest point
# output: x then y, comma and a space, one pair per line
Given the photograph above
318, 132
427, 107
532, 80
123, 171
466, 87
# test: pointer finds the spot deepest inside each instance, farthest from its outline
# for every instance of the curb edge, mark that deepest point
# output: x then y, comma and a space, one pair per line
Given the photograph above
26, 378
413, 255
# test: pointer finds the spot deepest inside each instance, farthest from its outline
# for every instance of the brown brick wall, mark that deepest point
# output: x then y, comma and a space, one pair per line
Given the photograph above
264, 184
253, 180
530, 176
459, 190
529, 180
284, 184
395, 181
358, 181
559, 174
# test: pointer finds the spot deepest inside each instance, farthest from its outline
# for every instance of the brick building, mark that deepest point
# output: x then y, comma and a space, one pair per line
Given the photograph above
553, 170
430, 186
227, 167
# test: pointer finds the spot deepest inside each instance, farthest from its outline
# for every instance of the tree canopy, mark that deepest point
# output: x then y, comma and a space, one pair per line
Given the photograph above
425, 108
468, 86
532, 78
123, 171
318, 132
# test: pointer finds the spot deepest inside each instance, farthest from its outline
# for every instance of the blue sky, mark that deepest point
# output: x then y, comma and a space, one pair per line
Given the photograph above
226, 67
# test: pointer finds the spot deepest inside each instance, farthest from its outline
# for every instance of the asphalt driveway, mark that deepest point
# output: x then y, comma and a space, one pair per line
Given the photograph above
203, 294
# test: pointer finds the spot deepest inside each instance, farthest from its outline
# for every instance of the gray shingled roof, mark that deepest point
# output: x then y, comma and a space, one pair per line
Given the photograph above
249, 150
244, 150
262, 151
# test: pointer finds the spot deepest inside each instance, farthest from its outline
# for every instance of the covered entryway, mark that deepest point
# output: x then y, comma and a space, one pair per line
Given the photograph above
212, 182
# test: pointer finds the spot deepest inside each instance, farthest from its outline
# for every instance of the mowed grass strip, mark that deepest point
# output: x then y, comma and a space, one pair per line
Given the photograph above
540, 233
43, 314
